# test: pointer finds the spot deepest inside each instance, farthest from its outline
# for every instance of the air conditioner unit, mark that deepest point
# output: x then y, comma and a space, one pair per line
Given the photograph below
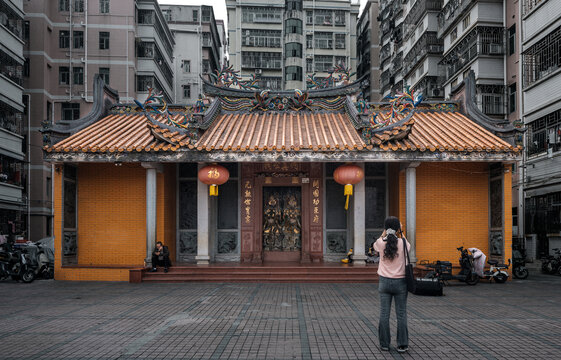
258, 71
495, 49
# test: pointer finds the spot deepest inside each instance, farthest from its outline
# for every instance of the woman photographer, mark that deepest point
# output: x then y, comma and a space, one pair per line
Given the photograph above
392, 285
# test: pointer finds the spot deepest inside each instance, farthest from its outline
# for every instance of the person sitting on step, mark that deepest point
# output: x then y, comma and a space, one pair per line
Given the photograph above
160, 257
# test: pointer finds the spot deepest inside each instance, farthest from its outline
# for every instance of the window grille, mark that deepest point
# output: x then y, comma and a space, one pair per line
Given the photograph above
323, 40
324, 17
323, 62
261, 15
261, 60
542, 59
545, 133
261, 38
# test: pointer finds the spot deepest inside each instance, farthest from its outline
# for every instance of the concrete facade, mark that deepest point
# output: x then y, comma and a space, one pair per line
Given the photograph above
541, 112
13, 120
126, 41
284, 41
198, 49
368, 49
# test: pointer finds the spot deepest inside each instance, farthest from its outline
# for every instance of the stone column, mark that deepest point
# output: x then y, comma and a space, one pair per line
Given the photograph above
203, 222
359, 222
411, 207
151, 191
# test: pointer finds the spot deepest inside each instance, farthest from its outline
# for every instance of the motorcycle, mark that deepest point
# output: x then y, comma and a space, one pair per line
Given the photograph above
442, 270
552, 264
497, 272
519, 269
41, 254
14, 263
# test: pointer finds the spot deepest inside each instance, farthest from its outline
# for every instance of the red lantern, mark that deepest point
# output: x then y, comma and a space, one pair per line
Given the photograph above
213, 175
348, 175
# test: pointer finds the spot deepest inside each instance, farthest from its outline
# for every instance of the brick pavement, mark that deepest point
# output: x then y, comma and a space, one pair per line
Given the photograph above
68, 320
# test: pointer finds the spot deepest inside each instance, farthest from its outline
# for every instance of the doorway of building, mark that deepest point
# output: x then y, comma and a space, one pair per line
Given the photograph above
282, 223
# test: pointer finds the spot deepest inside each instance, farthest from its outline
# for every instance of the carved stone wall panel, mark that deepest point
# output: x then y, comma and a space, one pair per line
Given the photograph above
187, 242
227, 242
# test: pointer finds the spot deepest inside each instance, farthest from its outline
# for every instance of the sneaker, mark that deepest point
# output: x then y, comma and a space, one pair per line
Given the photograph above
154, 270
166, 270
402, 349
385, 348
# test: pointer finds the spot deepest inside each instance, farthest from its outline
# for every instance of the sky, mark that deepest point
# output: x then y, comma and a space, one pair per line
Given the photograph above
220, 6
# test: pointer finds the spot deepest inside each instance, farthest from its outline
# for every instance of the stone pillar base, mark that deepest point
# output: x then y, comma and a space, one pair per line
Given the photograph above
202, 259
359, 260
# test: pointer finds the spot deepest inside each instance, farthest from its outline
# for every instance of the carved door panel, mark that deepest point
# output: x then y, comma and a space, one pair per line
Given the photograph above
282, 222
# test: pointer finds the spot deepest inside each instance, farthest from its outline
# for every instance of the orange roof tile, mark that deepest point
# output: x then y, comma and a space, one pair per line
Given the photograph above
447, 131
278, 131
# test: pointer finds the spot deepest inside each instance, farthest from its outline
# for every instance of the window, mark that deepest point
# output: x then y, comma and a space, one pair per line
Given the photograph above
340, 60
323, 62
26, 67
186, 66
206, 66
261, 60
78, 39
512, 98
261, 38
70, 111
293, 73
293, 26
145, 50
293, 50
103, 40
145, 17
64, 39
543, 58
206, 14
454, 35
512, 39
196, 15
324, 17
323, 40
309, 65
104, 6
309, 42
143, 82
261, 15
340, 41
186, 91
466, 22
79, 5
340, 18
78, 75
64, 75
294, 5
167, 15
309, 17
63, 5
104, 73
272, 83
26, 31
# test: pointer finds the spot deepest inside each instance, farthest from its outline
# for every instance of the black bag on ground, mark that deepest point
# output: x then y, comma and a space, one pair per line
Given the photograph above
418, 286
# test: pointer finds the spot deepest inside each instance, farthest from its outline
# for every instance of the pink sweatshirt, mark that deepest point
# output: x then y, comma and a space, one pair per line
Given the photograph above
395, 268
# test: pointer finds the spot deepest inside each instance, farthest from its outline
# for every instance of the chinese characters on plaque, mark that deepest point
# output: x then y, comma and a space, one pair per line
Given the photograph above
247, 201
315, 201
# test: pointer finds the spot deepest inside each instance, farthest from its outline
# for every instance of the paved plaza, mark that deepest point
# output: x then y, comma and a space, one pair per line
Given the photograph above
70, 320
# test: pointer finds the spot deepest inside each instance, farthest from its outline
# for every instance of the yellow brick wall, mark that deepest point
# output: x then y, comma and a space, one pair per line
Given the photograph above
507, 191
111, 214
452, 209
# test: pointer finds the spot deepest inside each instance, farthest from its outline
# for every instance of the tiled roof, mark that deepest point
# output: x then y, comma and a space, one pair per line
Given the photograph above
447, 131
277, 131
119, 133
274, 131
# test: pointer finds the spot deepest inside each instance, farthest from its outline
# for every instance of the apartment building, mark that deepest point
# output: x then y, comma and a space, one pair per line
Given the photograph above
67, 42
368, 49
13, 116
198, 48
284, 41
541, 112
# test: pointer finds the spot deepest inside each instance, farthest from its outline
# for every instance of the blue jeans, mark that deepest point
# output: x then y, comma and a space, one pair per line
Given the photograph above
388, 289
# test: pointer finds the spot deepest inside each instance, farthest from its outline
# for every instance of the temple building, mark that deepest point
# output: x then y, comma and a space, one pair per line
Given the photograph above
128, 175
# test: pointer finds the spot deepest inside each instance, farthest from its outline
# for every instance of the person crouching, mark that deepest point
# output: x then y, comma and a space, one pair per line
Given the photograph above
160, 257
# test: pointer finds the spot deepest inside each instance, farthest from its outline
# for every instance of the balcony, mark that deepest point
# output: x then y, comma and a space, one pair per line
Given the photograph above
482, 40
450, 13
542, 59
417, 12
491, 99
430, 87
429, 43
385, 54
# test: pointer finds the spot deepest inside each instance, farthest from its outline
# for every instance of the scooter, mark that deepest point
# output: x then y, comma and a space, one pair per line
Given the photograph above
552, 264
519, 269
443, 269
497, 272
14, 264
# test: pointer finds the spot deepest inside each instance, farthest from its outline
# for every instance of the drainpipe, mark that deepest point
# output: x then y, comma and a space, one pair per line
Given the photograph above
86, 52
28, 230
70, 35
